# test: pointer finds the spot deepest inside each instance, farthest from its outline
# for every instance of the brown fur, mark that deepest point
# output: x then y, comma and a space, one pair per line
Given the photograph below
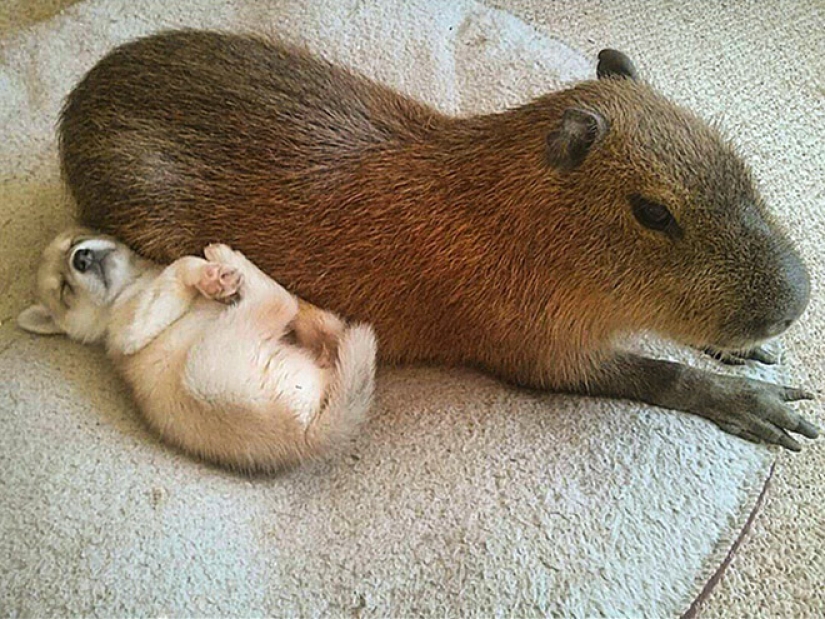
456, 238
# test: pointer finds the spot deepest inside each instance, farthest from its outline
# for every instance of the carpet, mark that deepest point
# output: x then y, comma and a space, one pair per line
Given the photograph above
463, 496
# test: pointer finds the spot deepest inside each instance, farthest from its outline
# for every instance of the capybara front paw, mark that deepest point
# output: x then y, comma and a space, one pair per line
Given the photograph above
759, 354
759, 411
219, 282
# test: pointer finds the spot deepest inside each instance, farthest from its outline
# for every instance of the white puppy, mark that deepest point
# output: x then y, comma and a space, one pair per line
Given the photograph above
223, 361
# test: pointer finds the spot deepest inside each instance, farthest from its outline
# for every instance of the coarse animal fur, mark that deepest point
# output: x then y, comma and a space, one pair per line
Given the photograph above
223, 362
526, 242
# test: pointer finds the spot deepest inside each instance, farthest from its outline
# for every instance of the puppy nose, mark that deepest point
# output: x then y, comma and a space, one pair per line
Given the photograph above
83, 259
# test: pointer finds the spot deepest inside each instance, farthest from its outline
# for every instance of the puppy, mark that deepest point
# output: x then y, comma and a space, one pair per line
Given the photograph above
223, 362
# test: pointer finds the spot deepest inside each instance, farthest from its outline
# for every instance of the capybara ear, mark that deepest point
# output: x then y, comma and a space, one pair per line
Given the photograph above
613, 63
578, 131
38, 319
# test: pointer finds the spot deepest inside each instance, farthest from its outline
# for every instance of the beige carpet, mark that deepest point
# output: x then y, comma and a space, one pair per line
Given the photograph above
463, 496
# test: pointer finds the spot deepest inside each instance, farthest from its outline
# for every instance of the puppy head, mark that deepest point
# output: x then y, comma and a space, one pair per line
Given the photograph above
81, 273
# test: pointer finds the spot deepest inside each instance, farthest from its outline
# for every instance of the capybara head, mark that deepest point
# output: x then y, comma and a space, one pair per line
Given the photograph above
676, 235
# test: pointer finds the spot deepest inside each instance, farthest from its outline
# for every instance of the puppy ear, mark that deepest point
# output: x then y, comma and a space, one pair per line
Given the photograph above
578, 131
38, 319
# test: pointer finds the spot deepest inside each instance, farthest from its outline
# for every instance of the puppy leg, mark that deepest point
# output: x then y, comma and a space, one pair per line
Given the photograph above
257, 285
319, 332
243, 352
170, 296
316, 330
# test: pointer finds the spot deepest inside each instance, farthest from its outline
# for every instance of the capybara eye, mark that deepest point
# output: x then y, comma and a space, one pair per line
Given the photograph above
651, 214
82, 260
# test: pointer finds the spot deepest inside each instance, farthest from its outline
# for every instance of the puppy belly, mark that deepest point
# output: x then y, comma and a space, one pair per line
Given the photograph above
231, 368
291, 377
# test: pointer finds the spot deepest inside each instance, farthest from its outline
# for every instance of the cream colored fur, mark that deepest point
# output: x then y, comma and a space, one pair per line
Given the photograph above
258, 384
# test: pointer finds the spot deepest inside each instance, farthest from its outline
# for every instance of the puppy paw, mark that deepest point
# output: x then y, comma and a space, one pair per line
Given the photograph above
219, 282
218, 252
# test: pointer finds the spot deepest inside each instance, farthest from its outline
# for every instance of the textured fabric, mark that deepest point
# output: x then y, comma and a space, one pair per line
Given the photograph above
463, 495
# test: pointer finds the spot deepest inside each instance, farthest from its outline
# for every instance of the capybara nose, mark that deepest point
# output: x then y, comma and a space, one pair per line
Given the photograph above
793, 292
799, 285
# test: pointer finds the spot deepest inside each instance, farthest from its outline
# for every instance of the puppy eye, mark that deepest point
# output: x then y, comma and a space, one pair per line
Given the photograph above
66, 291
653, 215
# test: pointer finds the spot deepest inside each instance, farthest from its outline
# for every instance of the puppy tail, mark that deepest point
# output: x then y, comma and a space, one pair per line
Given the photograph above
350, 394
